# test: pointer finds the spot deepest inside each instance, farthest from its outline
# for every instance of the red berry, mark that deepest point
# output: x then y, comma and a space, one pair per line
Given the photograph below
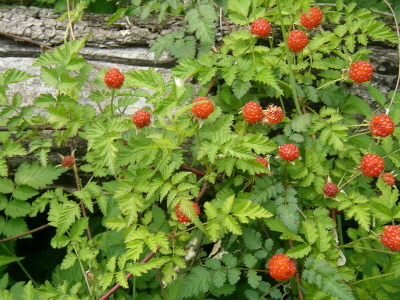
297, 40
289, 152
273, 114
114, 78
252, 112
361, 71
261, 27
141, 118
202, 110
391, 237
372, 165
183, 218
281, 267
67, 161
382, 125
312, 19
330, 190
388, 178
263, 161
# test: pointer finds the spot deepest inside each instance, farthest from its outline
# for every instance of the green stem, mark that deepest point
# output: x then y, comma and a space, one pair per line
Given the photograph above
369, 278
289, 60
22, 267
112, 101
83, 271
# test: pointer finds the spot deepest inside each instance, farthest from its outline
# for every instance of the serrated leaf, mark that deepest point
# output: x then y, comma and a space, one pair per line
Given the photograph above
299, 251
253, 279
37, 176
198, 281
233, 276
146, 78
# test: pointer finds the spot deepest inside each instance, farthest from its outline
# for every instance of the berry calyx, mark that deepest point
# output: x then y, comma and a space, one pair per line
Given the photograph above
330, 190
114, 78
261, 27
263, 161
273, 114
289, 152
391, 237
281, 267
182, 218
361, 71
372, 165
252, 112
311, 19
141, 118
202, 110
388, 178
297, 40
382, 125
67, 161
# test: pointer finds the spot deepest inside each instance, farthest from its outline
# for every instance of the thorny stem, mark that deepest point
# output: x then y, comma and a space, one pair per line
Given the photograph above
129, 275
197, 250
161, 284
193, 170
297, 276
24, 234
83, 271
202, 191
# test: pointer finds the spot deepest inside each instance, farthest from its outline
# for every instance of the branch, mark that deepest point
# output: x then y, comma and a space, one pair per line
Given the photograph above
129, 275
24, 234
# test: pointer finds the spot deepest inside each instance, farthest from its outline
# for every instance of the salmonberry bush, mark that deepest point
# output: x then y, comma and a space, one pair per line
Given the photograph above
251, 172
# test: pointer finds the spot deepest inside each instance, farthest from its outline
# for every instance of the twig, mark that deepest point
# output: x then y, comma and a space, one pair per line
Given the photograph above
193, 170
202, 191
197, 250
129, 275
24, 234
26, 40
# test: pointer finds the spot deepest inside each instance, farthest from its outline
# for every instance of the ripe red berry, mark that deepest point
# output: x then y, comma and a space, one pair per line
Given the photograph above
263, 161
312, 19
67, 161
202, 110
391, 237
382, 125
261, 27
114, 78
388, 178
273, 114
297, 40
281, 267
252, 112
361, 71
289, 152
183, 218
372, 165
330, 190
141, 118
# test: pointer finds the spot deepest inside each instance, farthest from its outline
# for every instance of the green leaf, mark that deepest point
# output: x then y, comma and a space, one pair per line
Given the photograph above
239, 6
16, 208
253, 279
5, 260
15, 227
249, 260
37, 176
198, 281
233, 276
6, 186
24, 192
301, 123
277, 225
377, 95
146, 78
199, 23
299, 251
267, 76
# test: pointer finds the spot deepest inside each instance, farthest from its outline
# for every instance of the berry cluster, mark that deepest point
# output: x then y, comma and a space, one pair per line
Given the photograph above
114, 78
381, 125
391, 237
361, 71
273, 114
388, 178
141, 118
263, 161
182, 218
372, 165
67, 161
289, 152
252, 112
297, 40
261, 27
202, 110
281, 267
311, 19
330, 190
